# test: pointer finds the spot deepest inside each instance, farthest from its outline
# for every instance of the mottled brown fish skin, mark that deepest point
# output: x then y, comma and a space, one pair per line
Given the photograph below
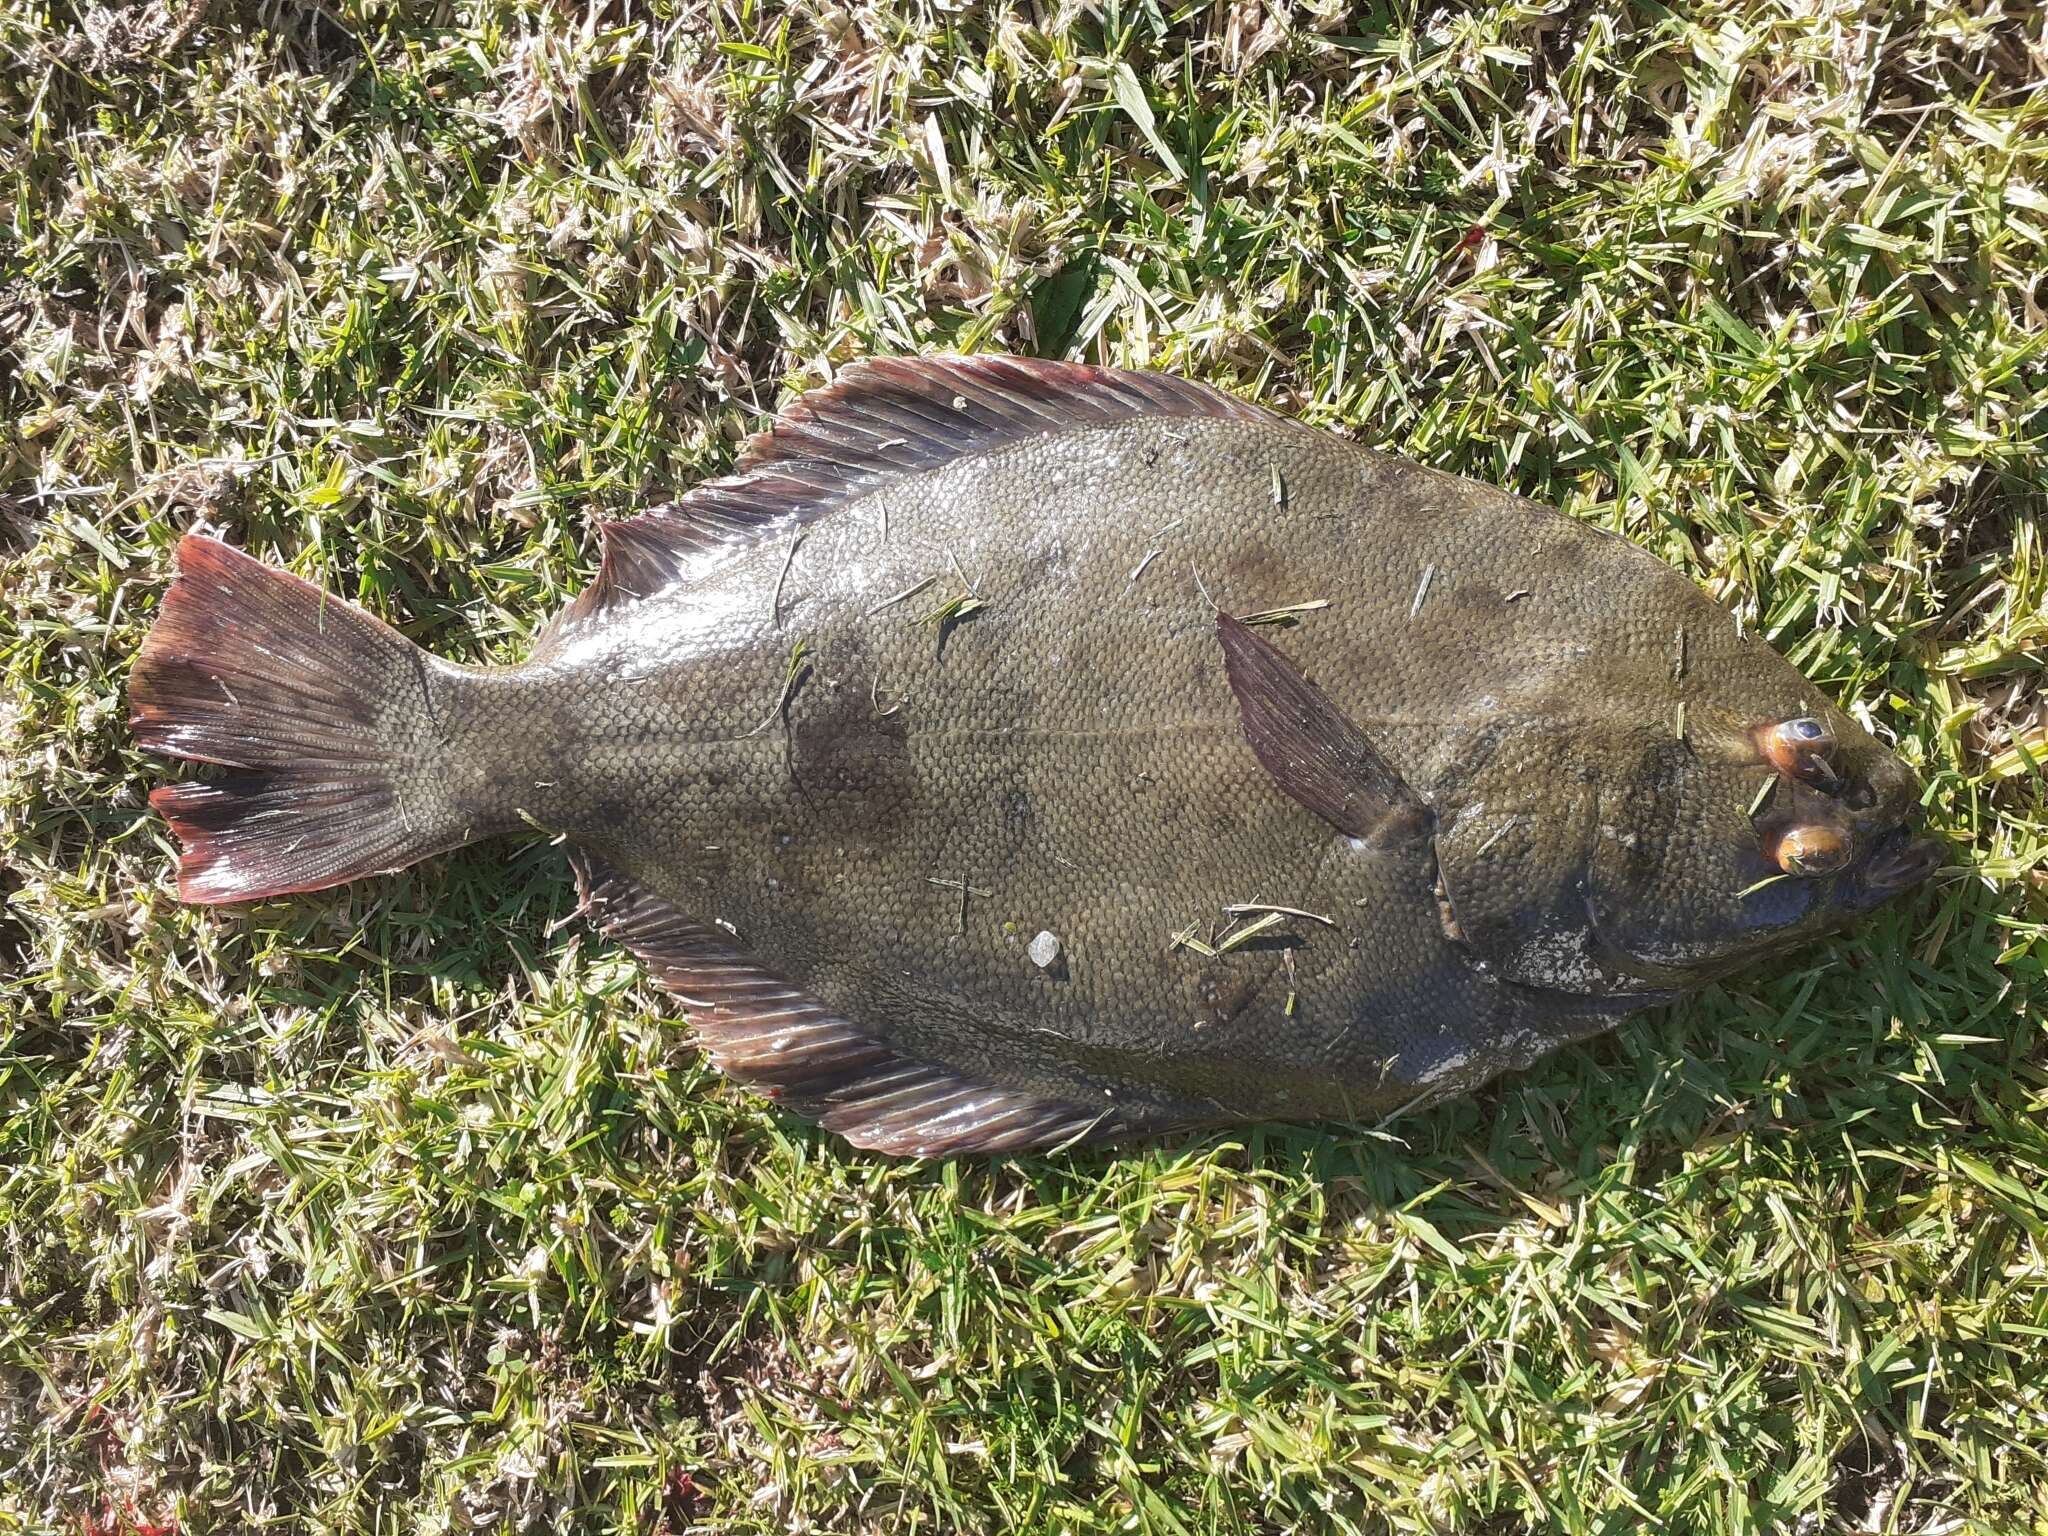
1071, 750
796, 748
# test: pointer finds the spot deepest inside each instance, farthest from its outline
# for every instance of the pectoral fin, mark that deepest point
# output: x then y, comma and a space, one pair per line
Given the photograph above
1312, 749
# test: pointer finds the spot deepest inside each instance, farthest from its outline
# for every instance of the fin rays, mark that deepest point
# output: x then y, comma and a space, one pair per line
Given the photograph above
1311, 748
879, 420
764, 1032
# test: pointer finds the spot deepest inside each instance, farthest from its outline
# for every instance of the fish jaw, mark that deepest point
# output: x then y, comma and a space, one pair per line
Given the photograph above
1898, 864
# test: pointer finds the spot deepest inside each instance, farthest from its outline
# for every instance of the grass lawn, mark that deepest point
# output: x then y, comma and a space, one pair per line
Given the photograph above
409, 1208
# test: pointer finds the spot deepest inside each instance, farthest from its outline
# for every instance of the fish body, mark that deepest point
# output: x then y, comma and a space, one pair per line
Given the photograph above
1335, 781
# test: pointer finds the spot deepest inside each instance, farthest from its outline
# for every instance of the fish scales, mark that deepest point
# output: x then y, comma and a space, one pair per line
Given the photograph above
834, 740
1109, 802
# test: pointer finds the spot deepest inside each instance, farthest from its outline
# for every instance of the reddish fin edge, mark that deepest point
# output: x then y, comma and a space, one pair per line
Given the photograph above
311, 703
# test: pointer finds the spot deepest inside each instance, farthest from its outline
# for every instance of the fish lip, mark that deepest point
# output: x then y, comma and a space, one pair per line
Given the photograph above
1900, 861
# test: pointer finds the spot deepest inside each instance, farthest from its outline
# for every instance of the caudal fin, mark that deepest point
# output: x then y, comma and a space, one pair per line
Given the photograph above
326, 716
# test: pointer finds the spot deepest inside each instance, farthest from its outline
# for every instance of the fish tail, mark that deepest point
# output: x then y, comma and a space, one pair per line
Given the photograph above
327, 718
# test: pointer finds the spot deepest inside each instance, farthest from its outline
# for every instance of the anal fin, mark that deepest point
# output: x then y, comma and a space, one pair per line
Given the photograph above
771, 1035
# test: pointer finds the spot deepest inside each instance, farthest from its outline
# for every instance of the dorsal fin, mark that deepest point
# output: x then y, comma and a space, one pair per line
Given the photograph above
878, 420
769, 1034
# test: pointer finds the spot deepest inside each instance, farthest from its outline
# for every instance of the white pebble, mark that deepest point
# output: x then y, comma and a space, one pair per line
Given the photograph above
1044, 950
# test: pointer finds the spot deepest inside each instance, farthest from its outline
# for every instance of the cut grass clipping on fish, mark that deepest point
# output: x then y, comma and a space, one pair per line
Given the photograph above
407, 1207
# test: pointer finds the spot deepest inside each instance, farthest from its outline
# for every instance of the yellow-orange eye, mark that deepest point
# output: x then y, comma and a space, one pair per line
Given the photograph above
1799, 748
1811, 850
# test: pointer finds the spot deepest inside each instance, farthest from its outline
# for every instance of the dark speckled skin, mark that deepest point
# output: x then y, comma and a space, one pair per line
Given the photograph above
1071, 753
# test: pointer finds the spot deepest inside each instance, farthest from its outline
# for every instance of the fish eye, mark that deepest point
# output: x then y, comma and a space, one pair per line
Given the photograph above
1811, 850
1799, 748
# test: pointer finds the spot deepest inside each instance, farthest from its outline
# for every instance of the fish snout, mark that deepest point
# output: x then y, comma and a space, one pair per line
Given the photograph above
1900, 861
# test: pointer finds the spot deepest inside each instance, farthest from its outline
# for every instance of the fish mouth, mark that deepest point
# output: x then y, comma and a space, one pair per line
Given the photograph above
1897, 861
1900, 860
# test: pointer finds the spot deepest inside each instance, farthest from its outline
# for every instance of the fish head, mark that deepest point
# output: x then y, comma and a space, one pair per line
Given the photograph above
1653, 862
1750, 860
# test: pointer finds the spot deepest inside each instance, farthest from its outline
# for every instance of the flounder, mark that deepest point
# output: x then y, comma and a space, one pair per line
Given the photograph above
1013, 753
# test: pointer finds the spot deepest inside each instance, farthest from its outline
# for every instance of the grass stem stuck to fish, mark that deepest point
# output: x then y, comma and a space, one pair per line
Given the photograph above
965, 891
1239, 935
1239, 907
903, 596
951, 611
1763, 794
1233, 933
1287, 616
781, 576
1422, 591
792, 678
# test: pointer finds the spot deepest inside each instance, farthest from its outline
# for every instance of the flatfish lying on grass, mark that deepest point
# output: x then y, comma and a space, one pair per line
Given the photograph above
1013, 753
